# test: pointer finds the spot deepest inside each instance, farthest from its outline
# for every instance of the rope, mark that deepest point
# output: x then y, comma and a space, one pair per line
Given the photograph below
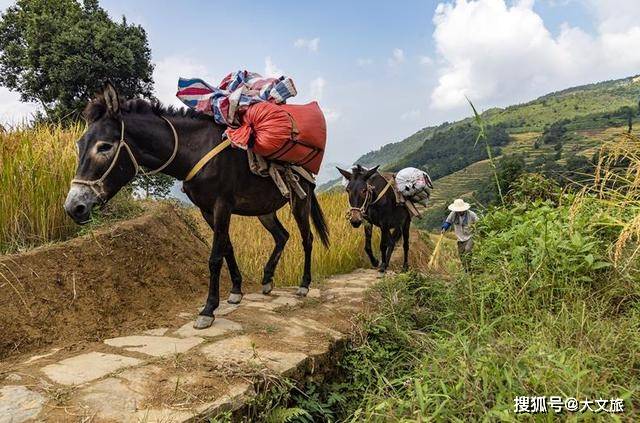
97, 185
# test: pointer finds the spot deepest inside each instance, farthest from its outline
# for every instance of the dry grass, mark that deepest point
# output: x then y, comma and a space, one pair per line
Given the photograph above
253, 244
36, 166
617, 192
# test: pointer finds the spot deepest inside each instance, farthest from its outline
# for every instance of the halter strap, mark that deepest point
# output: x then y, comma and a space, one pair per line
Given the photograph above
97, 185
365, 205
383, 192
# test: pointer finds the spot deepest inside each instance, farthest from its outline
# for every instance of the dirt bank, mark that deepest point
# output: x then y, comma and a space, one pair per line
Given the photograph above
132, 275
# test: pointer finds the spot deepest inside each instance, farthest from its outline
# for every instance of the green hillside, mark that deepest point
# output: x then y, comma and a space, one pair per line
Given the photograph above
533, 116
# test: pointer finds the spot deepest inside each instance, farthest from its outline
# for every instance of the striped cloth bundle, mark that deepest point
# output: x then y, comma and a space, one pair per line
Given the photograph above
236, 93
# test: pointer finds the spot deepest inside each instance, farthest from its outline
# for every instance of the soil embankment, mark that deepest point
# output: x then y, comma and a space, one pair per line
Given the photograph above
134, 274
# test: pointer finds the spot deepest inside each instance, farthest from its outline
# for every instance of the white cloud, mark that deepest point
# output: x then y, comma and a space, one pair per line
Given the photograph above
311, 45
426, 61
169, 69
317, 88
12, 110
397, 57
615, 15
411, 115
364, 61
497, 53
330, 115
270, 68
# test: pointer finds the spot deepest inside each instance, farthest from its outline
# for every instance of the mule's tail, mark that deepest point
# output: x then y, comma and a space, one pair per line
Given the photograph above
319, 222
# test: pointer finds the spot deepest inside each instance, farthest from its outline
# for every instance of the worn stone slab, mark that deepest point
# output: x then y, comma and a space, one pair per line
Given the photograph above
317, 326
345, 291
241, 349
257, 297
111, 399
87, 367
314, 293
287, 292
13, 377
220, 327
234, 398
162, 415
291, 292
287, 301
158, 346
156, 332
224, 309
19, 404
263, 305
38, 357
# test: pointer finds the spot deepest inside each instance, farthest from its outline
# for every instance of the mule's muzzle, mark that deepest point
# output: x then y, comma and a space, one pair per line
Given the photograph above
79, 203
355, 218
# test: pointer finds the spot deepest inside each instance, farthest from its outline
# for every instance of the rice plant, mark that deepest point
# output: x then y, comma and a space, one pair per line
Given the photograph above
36, 165
253, 244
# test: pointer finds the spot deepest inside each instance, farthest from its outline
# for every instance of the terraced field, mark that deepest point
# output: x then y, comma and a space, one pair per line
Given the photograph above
463, 183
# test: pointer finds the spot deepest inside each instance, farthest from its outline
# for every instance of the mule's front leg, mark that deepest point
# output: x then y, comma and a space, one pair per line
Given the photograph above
219, 250
384, 245
368, 230
236, 277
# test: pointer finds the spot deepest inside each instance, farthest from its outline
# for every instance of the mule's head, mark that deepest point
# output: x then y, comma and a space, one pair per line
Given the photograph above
359, 191
104, 166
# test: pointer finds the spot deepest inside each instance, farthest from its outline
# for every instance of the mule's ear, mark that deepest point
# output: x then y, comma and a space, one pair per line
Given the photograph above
344, 173
370, 172
111, 99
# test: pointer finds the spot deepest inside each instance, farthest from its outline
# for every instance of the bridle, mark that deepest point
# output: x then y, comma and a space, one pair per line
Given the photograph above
365, 205
97, 185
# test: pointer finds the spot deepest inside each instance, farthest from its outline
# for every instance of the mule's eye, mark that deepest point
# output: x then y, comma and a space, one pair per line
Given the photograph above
103, 147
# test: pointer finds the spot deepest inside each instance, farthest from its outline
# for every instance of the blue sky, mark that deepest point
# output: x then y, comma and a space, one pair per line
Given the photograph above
382, 70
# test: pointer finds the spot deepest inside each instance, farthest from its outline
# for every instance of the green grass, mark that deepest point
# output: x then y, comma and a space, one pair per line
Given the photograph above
543, 314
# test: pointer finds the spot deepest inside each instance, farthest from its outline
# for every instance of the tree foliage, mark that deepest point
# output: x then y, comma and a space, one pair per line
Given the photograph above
153, 186
59, 52
453, 149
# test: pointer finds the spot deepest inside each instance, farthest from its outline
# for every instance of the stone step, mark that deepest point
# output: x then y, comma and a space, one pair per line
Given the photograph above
177, 373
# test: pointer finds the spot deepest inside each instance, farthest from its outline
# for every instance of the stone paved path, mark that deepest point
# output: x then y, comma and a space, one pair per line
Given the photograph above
178, 374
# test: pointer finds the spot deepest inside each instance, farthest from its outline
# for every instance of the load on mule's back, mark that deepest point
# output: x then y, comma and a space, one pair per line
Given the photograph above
125, 136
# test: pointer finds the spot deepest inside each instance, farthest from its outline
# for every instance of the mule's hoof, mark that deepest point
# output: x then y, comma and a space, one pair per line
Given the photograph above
382, 270
302, 291
203, 322
266, 288
234, 298
375, 263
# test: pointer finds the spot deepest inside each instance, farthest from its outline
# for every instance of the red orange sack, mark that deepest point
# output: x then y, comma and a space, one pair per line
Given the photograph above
291, 133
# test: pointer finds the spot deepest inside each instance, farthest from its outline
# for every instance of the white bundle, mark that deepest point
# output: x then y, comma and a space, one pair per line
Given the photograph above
413, 182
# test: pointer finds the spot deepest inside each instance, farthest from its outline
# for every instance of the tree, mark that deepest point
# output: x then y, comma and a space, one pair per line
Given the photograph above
59, 52
154, 186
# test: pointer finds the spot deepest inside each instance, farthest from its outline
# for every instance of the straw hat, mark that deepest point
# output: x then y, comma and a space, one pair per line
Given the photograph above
459, 205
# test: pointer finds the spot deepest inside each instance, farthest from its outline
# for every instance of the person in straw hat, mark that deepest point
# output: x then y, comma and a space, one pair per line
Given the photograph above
461, 218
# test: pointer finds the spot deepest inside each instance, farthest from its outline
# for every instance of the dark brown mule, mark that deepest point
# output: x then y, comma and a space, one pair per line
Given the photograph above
225, 186
371, 200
